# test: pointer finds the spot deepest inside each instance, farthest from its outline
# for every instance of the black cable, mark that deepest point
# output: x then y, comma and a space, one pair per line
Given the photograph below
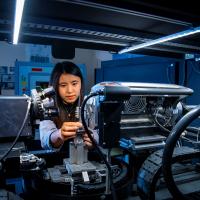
162, 128
169, 148
95, 144
19, 133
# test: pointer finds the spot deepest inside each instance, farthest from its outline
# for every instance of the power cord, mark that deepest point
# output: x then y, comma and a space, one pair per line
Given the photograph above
95, 143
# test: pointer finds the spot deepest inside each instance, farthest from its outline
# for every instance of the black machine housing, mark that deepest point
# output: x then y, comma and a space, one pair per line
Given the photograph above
142, 112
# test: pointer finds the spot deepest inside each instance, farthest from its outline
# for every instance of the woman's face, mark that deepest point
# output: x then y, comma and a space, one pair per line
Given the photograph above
69, 87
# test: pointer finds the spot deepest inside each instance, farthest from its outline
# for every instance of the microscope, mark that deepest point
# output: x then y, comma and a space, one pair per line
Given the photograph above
83, 175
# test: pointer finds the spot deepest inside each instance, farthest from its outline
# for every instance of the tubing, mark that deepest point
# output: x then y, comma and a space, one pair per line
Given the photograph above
169, 148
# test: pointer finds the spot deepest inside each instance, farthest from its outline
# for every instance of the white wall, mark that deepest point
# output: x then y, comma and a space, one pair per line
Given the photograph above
91, 58
9, 53
102, 56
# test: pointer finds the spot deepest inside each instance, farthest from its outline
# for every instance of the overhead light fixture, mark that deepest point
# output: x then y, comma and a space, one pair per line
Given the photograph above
18, 17
161, 40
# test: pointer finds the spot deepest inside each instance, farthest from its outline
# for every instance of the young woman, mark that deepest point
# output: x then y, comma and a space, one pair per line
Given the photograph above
67, 80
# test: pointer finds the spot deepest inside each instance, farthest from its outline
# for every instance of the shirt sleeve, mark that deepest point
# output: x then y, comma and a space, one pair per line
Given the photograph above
46, 128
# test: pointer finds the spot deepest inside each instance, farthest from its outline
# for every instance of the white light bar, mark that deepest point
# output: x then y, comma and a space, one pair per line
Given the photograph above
18, 16
161, 40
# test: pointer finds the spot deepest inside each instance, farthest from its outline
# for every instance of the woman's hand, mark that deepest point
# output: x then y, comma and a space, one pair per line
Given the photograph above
69, 129
87, 141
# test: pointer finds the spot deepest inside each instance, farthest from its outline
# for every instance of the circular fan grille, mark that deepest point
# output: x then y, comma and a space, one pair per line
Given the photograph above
135, 105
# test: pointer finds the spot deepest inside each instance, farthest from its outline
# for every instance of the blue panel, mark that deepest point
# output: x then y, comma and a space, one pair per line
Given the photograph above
125, 56
36, 79
193, 80
141, 69
17, 182
98, 75
24, 71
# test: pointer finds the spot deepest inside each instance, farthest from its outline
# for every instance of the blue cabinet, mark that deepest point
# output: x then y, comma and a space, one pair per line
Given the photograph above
140, 69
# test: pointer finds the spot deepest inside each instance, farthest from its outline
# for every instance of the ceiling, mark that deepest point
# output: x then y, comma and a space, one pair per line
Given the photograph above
105, 25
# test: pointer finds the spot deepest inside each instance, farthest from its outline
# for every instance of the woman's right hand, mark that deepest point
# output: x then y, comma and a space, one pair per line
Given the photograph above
69, 129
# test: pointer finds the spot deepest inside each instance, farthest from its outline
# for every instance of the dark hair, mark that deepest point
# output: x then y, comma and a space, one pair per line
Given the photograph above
59, 69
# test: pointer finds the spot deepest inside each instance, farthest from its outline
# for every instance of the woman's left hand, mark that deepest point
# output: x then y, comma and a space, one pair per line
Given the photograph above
87, 141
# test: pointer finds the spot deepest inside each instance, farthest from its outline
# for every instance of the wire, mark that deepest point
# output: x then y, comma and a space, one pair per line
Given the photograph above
19, 133
95, 143
154, 117
162, 116
178, 144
